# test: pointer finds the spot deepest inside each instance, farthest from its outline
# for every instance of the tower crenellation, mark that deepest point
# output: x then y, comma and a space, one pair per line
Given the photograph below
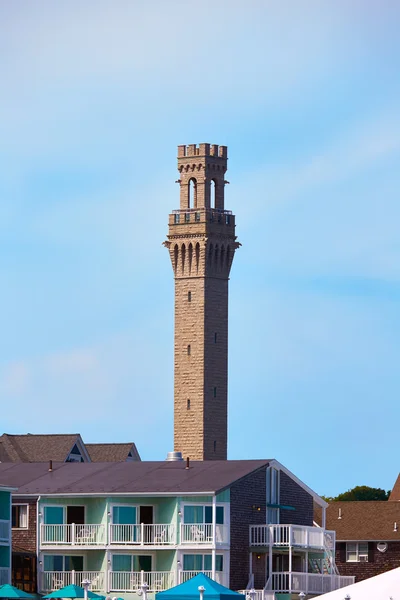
202, 242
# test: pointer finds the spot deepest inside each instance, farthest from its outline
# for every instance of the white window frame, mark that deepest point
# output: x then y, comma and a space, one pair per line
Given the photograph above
64, 507
132, 555
224, 505
27, 515
203, 554
64, 555
360, 556
135, 505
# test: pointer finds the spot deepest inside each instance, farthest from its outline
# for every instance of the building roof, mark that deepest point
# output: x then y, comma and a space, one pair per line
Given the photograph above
395, 493
364, 521
37, 448
135, 477
112, 452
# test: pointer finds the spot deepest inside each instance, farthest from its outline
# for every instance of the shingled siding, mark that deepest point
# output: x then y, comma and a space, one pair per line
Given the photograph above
291, 494
378, 562
25, 539
247, 496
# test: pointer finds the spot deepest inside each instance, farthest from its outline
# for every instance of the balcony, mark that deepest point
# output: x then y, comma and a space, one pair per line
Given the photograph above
5, 575
72, 535
55, 580
291, 582
4, 531
202, 533
130, 581
296, 536
142, 535
220, 577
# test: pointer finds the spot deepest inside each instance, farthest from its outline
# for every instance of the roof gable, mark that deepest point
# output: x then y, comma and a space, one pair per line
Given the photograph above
39, 447
112, 452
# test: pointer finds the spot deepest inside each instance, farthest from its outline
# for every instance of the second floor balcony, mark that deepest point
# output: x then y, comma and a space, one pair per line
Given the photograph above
295, 536
72, 535
143, 535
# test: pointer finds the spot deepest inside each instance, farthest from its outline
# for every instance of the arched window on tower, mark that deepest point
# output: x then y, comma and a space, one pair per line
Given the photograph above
192, 193
190, 256
176, 254
222, 257
197, 256
213, 189
210, 255
183, 250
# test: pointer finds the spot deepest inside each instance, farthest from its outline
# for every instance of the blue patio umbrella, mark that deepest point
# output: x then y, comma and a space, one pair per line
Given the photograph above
72, 591
9, 591
189, 590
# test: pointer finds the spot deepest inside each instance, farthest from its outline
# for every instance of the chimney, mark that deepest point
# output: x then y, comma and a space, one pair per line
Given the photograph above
187, 463
50, 465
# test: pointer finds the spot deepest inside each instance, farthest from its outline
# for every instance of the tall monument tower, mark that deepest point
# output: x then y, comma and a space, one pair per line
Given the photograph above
202, 243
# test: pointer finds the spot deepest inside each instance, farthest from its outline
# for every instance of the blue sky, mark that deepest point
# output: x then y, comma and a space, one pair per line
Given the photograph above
95, 98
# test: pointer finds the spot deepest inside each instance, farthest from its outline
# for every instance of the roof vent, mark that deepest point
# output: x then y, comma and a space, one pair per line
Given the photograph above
174, 456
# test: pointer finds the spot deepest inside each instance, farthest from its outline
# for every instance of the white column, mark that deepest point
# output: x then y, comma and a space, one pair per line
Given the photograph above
290, 568
323, 517
214, 535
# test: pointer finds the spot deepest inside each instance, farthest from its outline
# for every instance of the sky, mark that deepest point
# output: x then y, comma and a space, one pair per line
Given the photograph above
95, 97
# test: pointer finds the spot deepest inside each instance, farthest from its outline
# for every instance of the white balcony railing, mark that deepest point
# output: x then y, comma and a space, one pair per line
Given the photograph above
4, 531
291, 535
202, 533
220, 577
125, 581
5, 575
51, 581
146, 535
72, 535
258, 594
308, 583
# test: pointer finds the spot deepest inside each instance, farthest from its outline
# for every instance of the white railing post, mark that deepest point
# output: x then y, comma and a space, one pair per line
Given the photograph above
72, 533
73, 576
142, 540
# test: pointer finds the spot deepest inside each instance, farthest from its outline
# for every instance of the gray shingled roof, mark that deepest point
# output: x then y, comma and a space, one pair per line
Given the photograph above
137, 477
111, 452
36, 447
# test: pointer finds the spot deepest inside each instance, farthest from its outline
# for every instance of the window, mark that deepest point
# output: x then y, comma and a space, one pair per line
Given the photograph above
187, 217
197, 216
53, 562
188, 349
130, 562
75, 455
188, 404
215, 392
189, 296
202, 562
20, 516
357, 552
227, 219
193, 513
176, 218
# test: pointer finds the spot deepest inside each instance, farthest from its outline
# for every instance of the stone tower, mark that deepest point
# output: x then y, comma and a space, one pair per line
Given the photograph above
202, 243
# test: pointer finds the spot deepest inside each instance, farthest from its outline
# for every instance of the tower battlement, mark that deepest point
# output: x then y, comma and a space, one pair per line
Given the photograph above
203, 150
201, 243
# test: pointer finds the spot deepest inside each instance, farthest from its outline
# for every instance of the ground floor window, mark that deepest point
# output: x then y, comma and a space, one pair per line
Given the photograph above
131, 563
53, 562
357, 552
202, 562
